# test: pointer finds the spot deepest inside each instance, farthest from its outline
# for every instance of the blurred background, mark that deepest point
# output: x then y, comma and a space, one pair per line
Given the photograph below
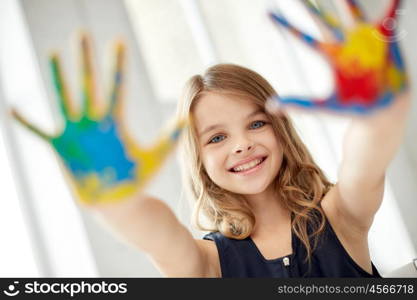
44, 232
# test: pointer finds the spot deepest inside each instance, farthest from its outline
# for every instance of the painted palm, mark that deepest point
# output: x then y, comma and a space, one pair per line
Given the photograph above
104, 164
366, 61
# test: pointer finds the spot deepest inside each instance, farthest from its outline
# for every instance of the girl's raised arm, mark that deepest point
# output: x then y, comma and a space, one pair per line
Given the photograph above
150, 225
108, 170
370, 81
369, 146
372, 141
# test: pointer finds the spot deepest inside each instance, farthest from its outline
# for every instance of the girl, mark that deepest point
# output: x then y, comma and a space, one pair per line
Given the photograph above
272, 211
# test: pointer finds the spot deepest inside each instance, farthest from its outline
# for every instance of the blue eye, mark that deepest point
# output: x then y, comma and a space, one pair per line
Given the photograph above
216, 139
255, 125
258, 124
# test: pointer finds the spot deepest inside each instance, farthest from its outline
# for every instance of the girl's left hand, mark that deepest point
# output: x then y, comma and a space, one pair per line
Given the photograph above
365, 58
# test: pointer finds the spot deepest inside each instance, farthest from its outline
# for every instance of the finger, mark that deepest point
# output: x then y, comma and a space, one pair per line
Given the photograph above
287, 106
168, 138
330, 104
306, 38
306, 103
356, 10
88, 82
65, 103
153, 158
388, 24
392, 11
324, 18
118, 74
396, 57
277, 104
396, 71
18, 117
174, 130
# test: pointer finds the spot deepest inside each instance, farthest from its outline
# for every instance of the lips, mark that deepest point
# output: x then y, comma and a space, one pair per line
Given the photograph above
248, 164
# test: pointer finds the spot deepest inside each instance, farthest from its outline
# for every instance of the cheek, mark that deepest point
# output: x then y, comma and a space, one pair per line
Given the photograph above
213, 163
275, 146
279, 158
269, 139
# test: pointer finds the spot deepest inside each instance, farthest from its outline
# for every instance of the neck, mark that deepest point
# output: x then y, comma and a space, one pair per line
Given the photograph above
269, 212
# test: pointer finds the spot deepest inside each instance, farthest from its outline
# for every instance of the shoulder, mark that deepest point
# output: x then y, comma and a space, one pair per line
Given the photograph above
208, 247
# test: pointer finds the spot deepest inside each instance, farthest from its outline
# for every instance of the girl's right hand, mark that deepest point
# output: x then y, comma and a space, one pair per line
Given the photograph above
102, 161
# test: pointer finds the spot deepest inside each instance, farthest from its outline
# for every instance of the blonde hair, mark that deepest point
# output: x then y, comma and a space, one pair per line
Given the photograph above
300, 183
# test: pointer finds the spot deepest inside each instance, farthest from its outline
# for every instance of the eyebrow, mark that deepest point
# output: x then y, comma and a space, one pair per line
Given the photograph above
214, 126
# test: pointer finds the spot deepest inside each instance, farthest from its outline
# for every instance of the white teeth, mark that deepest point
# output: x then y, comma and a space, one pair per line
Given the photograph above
248, 166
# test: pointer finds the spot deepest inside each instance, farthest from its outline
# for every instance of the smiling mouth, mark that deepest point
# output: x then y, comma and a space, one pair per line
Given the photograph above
248, 166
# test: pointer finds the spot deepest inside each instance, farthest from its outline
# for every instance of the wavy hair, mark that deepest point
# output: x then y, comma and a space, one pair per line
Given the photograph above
300, 184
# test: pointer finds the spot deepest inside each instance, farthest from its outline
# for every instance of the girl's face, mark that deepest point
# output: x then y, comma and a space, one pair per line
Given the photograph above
237, 143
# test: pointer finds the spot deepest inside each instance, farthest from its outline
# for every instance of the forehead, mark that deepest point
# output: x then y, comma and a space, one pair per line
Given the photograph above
217, 108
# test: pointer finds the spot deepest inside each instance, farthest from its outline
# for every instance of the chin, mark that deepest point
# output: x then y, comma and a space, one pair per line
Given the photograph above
250, 189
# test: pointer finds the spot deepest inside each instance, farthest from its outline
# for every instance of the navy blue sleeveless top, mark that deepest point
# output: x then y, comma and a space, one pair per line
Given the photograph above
242, 258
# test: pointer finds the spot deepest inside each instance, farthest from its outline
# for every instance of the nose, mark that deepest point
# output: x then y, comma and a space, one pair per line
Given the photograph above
243, 146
